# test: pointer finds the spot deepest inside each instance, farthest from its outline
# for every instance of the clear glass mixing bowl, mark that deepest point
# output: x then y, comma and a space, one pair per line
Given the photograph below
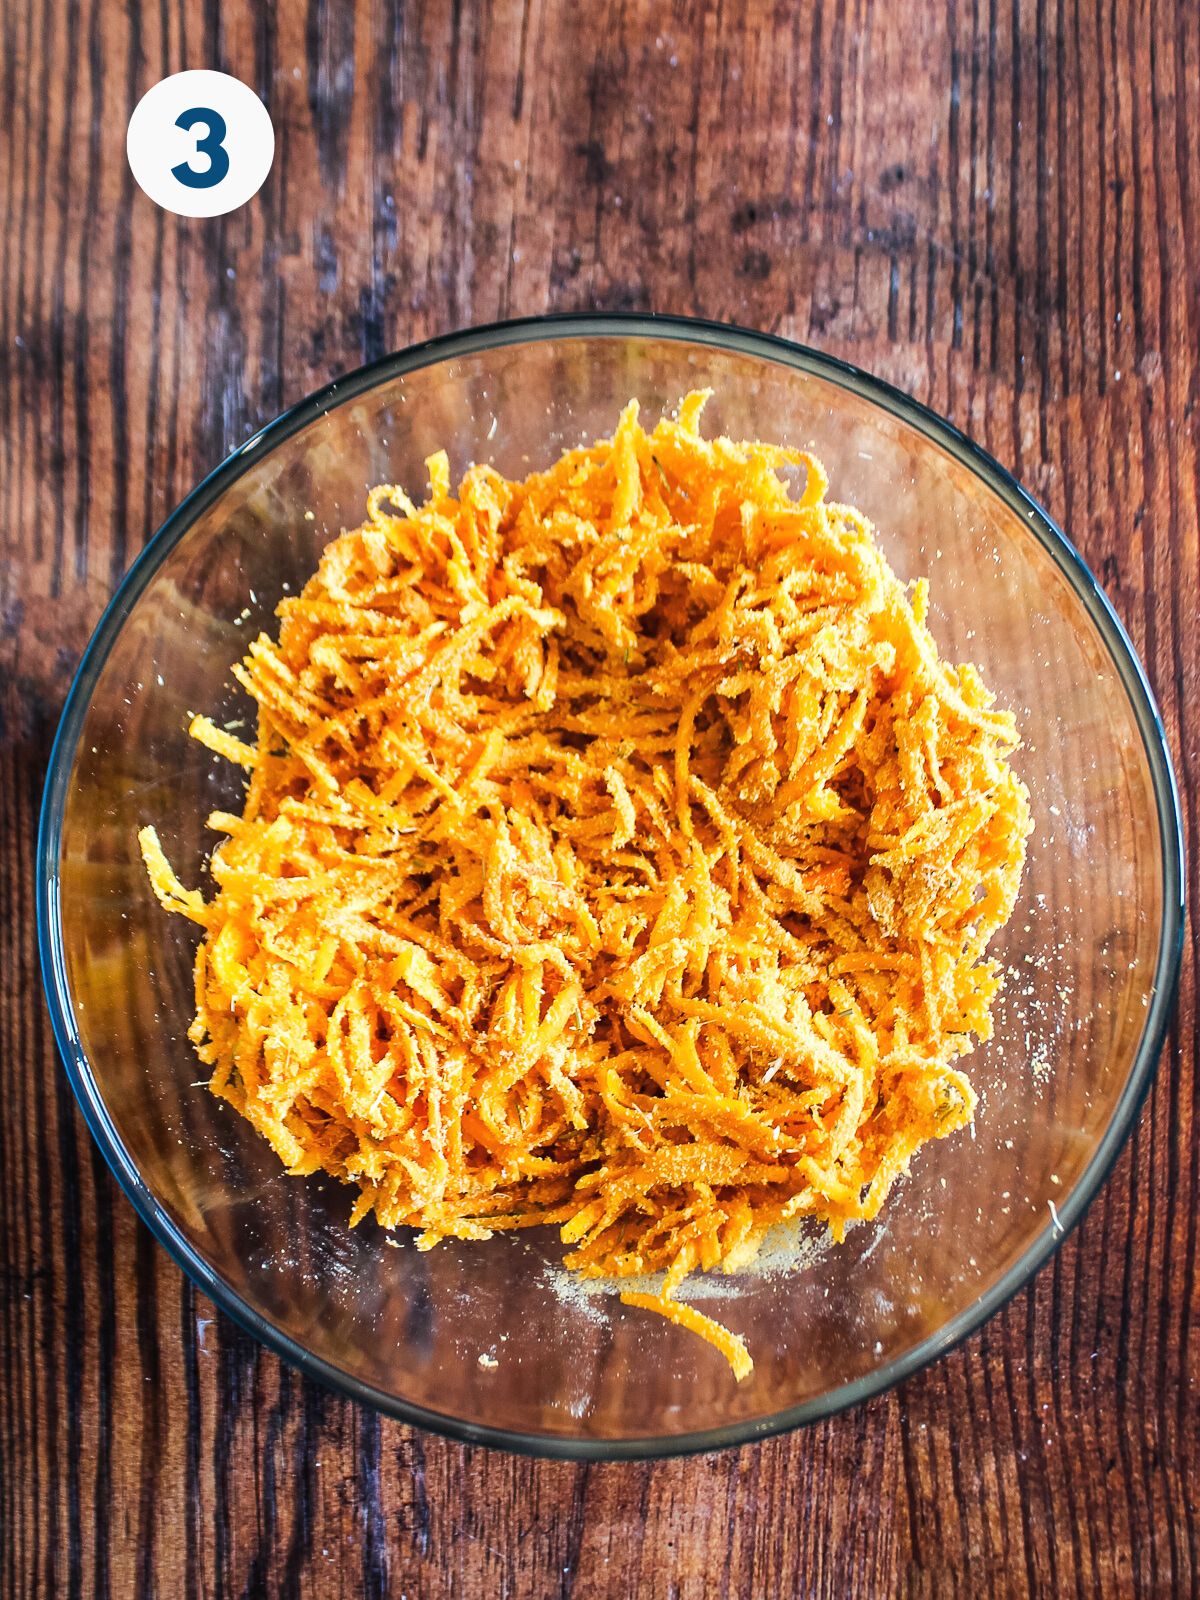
487, 1342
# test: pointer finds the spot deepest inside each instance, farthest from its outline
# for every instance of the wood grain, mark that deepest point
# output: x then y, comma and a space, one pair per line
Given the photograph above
994, 205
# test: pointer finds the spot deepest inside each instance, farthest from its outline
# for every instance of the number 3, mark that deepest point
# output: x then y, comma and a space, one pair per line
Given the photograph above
212, 145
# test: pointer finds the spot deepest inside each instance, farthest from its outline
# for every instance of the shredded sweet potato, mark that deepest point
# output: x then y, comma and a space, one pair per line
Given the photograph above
618, 853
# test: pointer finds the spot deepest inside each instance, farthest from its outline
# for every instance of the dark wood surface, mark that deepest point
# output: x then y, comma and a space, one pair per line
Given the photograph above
995, 206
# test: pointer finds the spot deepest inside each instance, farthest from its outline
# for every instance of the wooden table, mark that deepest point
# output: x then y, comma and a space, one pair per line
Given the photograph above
997, 208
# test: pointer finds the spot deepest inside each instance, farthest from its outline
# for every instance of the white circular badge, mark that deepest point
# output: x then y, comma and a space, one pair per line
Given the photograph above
200, 143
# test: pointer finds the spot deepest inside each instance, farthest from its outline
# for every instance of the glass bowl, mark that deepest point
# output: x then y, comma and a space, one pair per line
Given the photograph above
490, 1342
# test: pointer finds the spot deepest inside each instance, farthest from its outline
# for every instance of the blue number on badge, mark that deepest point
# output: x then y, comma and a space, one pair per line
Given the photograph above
212, 145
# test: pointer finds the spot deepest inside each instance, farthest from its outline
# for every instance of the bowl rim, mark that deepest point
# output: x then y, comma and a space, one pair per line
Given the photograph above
776, 350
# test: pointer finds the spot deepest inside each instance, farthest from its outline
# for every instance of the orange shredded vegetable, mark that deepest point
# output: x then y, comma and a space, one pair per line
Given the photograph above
618, 853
